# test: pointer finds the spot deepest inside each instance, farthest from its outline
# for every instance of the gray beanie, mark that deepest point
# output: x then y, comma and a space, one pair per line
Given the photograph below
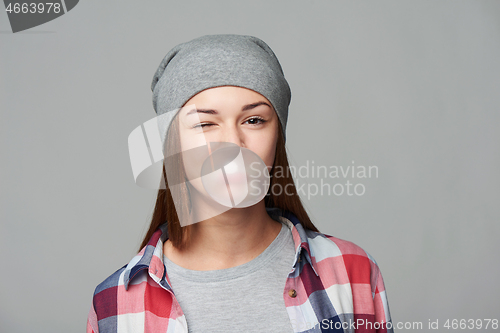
219, 60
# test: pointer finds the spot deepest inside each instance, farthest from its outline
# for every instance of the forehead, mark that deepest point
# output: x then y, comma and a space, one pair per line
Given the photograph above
226, 95
224, 99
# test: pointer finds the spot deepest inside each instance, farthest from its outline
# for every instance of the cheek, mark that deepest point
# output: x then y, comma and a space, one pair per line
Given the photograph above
192, 159
265, 147
190, 140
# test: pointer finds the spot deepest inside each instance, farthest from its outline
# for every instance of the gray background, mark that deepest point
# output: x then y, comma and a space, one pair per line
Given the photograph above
408, 86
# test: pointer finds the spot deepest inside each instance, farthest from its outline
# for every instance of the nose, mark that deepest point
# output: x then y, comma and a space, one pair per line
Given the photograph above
234, 135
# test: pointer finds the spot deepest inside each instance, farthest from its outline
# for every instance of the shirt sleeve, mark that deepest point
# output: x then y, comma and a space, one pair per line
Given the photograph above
92, 326
381, 306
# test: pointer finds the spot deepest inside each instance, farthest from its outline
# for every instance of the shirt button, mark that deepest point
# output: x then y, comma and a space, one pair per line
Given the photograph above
292, 293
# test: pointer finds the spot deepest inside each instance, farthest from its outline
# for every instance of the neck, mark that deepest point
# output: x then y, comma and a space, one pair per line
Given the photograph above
227, 240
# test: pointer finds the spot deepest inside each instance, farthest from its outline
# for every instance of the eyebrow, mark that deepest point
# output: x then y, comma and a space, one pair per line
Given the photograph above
245, 108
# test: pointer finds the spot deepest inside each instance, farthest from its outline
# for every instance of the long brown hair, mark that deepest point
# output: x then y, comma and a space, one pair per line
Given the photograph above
165, 208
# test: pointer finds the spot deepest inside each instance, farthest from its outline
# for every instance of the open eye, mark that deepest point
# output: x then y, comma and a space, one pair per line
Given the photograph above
255, 121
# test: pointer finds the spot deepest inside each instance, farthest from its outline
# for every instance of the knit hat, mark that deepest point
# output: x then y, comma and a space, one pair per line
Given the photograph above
218, 60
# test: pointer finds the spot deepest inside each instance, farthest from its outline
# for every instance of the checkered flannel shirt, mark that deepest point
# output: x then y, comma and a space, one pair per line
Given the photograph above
333, 286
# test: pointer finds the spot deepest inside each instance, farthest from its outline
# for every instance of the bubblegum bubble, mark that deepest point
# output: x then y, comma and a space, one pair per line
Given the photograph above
235, 177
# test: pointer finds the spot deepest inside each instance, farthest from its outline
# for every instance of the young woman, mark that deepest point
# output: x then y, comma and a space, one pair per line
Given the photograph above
208, 267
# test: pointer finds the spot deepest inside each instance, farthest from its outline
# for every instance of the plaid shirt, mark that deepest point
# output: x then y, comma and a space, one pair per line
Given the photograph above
333, 286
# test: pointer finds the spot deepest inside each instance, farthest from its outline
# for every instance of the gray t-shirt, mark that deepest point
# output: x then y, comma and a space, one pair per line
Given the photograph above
245, 298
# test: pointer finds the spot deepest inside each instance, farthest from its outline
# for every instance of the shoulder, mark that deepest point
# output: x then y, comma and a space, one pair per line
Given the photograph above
345, 257
106, 292
109, 292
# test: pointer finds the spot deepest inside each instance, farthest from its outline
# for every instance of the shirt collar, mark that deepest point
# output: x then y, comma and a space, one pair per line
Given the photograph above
299, 237
151, 256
